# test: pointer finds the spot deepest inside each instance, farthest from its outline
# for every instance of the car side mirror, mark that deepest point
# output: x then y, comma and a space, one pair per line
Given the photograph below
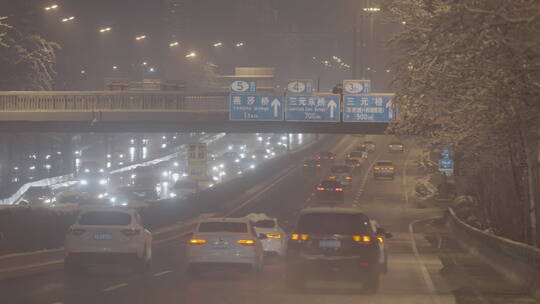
381, 231
262, 236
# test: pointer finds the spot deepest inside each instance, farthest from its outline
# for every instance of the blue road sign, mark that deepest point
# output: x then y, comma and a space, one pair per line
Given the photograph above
261, 107
244, 86
446, 163
316, 107
361, 86
369, 108
447, 153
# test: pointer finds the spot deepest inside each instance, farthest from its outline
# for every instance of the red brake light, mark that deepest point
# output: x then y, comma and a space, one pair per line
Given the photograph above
196, 241
130, 232
318, 165
246, 242
298, 237
320, 188
362, 238
77, 231
339, 189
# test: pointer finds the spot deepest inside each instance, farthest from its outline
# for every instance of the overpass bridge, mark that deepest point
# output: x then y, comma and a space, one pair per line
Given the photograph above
108, 111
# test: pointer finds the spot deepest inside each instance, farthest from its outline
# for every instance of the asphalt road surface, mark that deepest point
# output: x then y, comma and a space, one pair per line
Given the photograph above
412, 277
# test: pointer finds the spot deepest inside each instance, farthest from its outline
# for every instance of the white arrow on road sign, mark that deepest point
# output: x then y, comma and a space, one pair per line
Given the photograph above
332, 105
276, 104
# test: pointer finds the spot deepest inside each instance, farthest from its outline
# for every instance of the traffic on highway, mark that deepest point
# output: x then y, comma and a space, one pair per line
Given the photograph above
270, 152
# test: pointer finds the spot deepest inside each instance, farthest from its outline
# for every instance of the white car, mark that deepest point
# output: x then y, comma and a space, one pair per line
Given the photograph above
108, 236
276, 240
219, 242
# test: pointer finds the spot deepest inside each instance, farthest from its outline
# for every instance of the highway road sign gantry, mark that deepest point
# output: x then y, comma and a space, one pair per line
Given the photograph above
260, 107
369, 108
315, 107
359, 86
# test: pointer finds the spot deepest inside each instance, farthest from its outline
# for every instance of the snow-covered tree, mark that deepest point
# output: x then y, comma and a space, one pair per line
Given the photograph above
26, 61
468, 76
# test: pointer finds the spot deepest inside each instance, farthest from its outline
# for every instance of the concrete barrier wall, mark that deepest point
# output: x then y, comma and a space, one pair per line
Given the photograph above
518, 262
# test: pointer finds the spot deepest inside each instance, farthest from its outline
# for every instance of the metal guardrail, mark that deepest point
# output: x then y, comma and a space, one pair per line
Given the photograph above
47, 101
517, 261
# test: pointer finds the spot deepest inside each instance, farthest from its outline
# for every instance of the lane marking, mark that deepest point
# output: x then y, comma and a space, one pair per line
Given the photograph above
114, 287
404, 180
423, 269
162, 273
26, 267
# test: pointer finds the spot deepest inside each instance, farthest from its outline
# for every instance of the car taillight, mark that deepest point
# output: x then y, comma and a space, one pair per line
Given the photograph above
305, 165
320, 188
362, 238
246, 242
339, 189
77, 231
273, 235
299, 237
196, 241
331, 177
318, 165
357, 165
380, 239
376, 168
391, 168
348, 177
130, 232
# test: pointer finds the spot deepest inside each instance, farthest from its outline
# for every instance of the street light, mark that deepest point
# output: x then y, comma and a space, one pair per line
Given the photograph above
51, 7
105, 29
218, 44
68, 19
371, 9
151, 70
191, 55
115, 67
138, 38
144, 63
174, 43
240, 44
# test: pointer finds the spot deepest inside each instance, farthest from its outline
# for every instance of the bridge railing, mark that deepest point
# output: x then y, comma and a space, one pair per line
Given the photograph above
110, 101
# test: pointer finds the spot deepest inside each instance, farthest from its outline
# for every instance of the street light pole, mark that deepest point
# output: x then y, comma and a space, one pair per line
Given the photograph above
358, 62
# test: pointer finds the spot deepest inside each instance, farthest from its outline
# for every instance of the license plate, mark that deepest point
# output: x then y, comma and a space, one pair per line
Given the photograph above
102, 236
330, 244
221, 245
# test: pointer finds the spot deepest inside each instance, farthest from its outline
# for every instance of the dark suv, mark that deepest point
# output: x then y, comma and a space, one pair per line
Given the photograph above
336, 243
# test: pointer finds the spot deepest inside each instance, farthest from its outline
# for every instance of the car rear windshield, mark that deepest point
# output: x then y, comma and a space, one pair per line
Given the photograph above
265, 224
355, 154
223, 227
333, 223
384, 164
341, 169
105, 218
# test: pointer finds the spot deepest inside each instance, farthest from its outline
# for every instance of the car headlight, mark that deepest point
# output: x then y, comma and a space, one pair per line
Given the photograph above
84, 182
47, 201
172, 194
102, 181
113, 199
